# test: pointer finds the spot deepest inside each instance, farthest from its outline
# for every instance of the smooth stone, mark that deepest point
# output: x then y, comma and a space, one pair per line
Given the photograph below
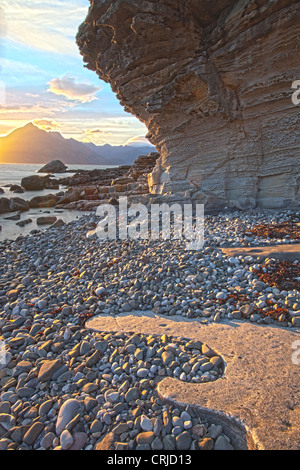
206, 444
215, 431
18, 433
96, 426
296, 322
25, 392
47, 440
79, 440
157, 444
199, 430
7, 421
33, 433
46, 220
120, 428
93, 359
169, 442
111, 396
222, 444
48, 368
183, 441
67, 412
66, 440
146, 423
145, 438
207, 351
207, 366
142, 373
107, 442
167, 357
132, 394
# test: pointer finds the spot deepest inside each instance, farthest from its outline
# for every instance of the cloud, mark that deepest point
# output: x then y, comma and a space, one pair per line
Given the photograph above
22, 109
67, 86
46, 124
47, 26
33, 108
3, 26
138, 141
97, 136
15, 70
96, 131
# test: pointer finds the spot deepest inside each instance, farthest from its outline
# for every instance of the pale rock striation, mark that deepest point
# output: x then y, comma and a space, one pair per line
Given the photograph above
212, 82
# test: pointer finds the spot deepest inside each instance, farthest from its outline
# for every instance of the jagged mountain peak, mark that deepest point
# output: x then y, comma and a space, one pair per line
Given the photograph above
31, 144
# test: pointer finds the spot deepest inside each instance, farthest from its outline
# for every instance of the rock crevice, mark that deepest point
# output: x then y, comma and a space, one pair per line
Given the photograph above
212, 82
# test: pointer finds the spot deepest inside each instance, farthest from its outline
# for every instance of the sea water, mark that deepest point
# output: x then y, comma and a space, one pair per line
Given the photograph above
13, 174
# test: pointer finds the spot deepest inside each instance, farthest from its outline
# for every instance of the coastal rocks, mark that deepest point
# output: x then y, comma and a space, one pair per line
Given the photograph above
210, 95
66, 414
55, 166
46, 220
97, 185
15, 188
105, 413
86, 189
14, 217
33, 183
14, 204
47, 370
71, 195
24, 222
4, 205
50, 200
18, 204
38, 183
53, 282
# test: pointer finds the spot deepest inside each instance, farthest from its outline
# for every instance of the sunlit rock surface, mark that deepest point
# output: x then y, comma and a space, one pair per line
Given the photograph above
212, 82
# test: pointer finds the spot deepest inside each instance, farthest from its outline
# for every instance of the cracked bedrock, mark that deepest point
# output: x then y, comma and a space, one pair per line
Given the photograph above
212, 81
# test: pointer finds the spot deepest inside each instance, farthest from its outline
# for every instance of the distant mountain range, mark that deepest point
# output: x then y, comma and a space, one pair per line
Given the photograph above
30, 144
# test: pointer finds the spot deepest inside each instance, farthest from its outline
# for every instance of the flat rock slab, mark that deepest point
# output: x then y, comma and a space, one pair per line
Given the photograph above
280, 252
257, 401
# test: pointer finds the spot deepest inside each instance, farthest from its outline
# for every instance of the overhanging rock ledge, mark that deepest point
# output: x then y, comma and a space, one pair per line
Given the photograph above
212, 82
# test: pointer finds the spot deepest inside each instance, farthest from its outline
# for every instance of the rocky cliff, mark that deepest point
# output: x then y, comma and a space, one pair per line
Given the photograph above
212, 82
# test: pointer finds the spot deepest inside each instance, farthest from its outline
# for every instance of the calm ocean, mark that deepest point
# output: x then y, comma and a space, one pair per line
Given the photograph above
12, 174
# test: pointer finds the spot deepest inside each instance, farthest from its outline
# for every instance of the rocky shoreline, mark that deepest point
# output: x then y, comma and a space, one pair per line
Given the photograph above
83, 190
64, 386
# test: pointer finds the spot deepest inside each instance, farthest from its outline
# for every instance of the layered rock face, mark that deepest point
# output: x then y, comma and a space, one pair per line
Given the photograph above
212, 82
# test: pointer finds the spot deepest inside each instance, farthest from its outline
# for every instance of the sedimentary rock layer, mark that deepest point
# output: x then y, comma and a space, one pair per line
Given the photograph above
212, 81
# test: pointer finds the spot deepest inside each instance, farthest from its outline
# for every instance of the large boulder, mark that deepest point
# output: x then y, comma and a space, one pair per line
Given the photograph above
71, 195
46, 220
34, 182
212, 81
18, 204
15, 188
50, 200
56, 166
4, 205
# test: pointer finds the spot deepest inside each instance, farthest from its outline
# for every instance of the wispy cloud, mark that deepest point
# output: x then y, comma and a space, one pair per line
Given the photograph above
3, 28
138, 141
49, 26
94, 131
97, 136
34, 107
67, 86
38, 57
14, 70
19, 109
46, 124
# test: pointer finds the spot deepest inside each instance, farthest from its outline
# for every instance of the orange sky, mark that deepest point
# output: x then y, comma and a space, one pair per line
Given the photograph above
43, 78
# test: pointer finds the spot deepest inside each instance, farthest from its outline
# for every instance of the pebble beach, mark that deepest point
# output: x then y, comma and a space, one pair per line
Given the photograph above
65, 387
